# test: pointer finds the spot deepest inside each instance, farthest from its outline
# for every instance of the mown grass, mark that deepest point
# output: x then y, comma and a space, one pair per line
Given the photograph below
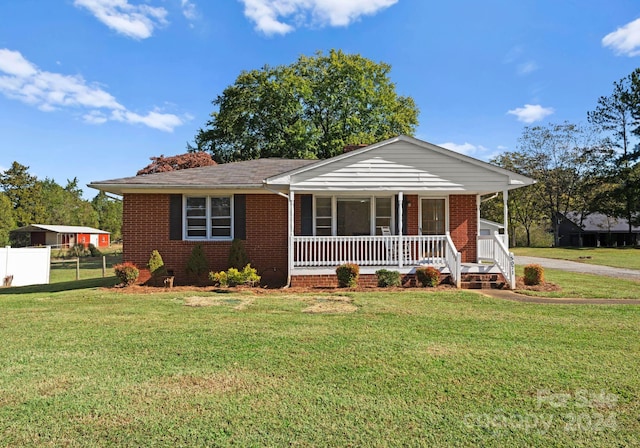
628, 257
95, 367
585, 286
90, 267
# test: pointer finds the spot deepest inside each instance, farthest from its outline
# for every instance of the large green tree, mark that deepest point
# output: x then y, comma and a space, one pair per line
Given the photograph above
618, 118
309, 109
25, 194
7, 223
109, 212
560, 157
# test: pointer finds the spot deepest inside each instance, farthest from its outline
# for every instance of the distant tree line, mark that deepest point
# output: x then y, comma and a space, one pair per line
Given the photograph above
25, 199
581, 168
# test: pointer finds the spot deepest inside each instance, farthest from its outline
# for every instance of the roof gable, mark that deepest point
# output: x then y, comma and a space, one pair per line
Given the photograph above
402, 164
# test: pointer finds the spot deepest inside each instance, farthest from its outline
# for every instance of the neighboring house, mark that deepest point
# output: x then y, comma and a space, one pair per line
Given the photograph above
64, 236
490, 227
302, 218
597, 230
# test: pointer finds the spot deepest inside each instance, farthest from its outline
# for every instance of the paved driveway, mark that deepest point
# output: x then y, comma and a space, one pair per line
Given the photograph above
572, 266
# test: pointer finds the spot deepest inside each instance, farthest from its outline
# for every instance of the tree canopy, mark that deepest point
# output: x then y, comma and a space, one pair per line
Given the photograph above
25, 199
162, 164
309, 109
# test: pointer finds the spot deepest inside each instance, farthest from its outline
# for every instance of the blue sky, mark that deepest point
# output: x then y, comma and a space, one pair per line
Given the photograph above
93, 88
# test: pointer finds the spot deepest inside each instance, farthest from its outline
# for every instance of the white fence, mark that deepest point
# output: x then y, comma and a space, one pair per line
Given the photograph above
27, 265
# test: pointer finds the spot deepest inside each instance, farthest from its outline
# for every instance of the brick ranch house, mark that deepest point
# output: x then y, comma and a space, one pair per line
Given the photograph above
397, 204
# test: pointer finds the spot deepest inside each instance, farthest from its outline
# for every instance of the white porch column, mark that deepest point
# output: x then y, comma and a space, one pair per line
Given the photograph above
505, 200
291, 233
400, 221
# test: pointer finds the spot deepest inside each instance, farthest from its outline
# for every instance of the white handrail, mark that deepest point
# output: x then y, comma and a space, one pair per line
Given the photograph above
454, 261
384, 250
505, 260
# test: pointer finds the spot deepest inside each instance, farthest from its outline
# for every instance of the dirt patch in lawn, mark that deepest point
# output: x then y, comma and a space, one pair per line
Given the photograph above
236, 303
331, 305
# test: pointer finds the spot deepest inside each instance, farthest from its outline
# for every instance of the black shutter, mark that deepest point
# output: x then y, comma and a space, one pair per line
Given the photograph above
240, 216
175, 217
306, 212
397, 215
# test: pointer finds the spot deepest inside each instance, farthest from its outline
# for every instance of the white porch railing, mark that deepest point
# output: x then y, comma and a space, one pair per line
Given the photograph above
492, 248
394, 250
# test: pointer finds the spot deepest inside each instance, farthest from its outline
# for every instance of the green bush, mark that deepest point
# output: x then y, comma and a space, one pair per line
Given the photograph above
78, 251
94, 251
233, 277
156, 265
238, 257
127, 273
197, 265
533, 274
348, 275
388, 278
428, 276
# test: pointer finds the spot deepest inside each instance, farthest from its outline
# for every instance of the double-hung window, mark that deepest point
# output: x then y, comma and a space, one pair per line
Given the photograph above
208, 217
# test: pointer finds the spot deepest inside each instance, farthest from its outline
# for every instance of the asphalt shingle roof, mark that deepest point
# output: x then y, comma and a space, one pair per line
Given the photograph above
246, 173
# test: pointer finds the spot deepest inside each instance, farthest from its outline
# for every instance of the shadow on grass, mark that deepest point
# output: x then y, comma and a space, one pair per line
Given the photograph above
62, 286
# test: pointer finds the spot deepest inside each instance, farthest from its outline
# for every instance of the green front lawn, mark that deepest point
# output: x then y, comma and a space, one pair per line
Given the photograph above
64, 270
95, 367
584, 286
617, 257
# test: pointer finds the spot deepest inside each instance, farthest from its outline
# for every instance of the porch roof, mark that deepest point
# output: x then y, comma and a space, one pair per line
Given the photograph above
401, 164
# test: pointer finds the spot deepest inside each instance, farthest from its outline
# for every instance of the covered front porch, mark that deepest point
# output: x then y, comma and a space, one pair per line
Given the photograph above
403, 253
427, 196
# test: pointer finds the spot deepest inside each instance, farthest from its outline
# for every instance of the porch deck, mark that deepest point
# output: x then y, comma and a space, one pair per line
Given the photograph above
319, 255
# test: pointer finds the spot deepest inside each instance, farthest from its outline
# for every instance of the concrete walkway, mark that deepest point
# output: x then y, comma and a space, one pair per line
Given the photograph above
583, 268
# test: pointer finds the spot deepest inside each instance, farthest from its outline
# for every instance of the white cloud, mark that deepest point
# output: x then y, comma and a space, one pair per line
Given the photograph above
136, 21
464, 148
189, 9
624, 40
531, 113
154, 119
270, 16
49, 91
527, 67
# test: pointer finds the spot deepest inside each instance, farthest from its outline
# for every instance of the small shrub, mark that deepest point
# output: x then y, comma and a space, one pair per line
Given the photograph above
533, 274
197, 265
388, 278
127, 273
94, 251
348, 274
77, 251
250, 276
238, 257
233, 277
156, 265
219, 278
428, 276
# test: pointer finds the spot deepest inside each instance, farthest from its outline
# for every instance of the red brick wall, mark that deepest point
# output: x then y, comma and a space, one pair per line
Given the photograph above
463, 225
145, 227
412, 214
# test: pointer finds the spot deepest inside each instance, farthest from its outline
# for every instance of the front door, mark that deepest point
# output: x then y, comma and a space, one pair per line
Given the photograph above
433, 218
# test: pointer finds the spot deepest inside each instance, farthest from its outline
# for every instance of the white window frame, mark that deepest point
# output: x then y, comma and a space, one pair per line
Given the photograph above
372, 211
446, 211
207, 198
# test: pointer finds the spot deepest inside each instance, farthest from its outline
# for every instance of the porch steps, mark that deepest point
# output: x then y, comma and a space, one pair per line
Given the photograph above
482, 281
